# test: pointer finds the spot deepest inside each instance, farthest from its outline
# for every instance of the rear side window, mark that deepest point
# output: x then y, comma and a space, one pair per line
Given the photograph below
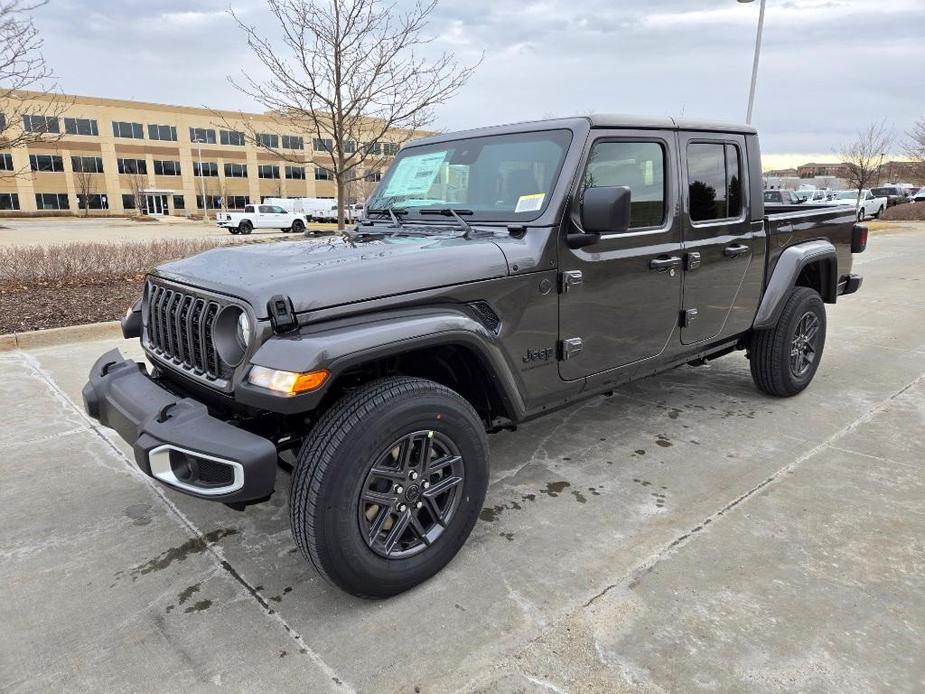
249, 209
639, 165
714, 174
772, 196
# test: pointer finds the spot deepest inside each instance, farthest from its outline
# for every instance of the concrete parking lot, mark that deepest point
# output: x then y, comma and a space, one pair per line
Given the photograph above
51, 230
685, 534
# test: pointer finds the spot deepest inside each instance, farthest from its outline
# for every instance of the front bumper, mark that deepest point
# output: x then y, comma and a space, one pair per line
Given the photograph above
174, 438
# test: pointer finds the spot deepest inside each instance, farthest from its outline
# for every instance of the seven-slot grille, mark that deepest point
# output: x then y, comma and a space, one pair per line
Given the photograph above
179, 328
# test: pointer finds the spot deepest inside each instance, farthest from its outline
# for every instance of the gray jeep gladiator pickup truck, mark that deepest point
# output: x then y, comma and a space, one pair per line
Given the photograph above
500, 273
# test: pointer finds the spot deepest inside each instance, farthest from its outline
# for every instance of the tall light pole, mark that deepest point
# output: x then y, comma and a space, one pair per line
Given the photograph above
751, 93
202, 182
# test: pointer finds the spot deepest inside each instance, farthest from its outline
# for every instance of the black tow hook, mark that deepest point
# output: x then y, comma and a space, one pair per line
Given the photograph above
164, 415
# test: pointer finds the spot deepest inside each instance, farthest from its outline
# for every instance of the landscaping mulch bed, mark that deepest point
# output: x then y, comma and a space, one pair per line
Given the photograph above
36, 306
906, 212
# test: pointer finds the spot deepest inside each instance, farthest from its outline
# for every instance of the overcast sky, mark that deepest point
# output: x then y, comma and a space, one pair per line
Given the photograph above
828, 67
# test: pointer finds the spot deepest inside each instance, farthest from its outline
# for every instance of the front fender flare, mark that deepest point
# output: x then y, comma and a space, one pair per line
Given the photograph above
342, 344
784, 277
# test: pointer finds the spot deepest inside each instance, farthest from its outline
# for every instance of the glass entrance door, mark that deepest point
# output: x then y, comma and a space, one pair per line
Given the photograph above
156, 204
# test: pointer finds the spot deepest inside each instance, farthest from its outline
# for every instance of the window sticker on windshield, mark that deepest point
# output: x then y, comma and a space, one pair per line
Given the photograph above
414, 175
530, 203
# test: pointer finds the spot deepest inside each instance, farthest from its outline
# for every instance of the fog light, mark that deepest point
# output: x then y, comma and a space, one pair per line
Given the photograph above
286, 382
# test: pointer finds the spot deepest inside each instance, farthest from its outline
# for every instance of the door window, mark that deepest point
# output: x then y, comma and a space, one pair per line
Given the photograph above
714, 174
639, 165
266, 209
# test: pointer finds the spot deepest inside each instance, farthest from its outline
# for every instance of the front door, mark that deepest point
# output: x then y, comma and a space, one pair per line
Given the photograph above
156, 204
722, 247
621, 296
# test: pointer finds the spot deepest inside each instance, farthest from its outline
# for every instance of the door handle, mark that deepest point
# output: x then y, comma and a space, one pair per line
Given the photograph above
735, 250
663, 263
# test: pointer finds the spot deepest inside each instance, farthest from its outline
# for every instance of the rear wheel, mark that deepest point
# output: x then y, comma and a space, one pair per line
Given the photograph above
785, 358
388, 485
245, 227
233, 230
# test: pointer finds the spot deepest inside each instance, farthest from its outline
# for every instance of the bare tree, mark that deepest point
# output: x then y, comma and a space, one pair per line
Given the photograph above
85, 183
915, 146
24, 81
864, 154
350, 73
137, 182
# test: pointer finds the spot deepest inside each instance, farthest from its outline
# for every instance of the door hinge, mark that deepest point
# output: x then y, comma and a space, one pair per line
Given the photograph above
688, 317
692, 262
570, 279
569, 348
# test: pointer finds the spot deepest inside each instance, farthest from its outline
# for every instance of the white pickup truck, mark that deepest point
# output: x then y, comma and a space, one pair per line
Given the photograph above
866, 203
261, 217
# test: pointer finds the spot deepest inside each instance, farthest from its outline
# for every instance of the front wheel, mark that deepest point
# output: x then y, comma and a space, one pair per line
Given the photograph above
298, 226
879, 212
785, 357
861, 215
388, 485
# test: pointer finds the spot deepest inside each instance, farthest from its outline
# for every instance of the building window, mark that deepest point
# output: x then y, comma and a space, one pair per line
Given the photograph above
179, 203
94, 201
52, 201
267, 140
209, 168
296, 173
322, 144
390, 149
322, 174
235, 170
6, 161
236, 202
2, 122
128, 201
373, 176
9, 201
638, 165
293, 142
203, 136
350, 146
129, 130
374, 148
166, 167
81, 126
87, 164
46, 162
167, 133
41, 124
268, 171
231, 137
215, 201
714, 176
132, 166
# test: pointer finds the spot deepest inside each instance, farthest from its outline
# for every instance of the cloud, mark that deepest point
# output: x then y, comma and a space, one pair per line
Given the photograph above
828, 67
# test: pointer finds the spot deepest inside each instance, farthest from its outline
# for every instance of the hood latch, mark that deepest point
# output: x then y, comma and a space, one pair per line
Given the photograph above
282, 314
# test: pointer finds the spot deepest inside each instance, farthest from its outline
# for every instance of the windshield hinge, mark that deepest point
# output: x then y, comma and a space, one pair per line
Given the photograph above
570, 279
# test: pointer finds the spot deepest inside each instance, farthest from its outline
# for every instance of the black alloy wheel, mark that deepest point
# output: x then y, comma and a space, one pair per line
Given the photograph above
411, 494
803, 347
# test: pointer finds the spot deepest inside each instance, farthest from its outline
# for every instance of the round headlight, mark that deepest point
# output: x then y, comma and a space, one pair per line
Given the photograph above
244, 330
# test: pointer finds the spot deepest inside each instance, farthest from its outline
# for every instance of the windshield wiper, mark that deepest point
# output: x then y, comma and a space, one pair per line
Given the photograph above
456, 214
393, 213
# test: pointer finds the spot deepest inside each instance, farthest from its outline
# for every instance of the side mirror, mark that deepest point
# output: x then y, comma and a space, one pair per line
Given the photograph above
606, 210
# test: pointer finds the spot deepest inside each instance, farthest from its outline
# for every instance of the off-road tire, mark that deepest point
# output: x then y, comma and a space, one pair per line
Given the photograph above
332, 468
770, 351
245, 227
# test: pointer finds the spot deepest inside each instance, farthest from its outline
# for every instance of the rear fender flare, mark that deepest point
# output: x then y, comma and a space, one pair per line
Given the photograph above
339, 345
785, 275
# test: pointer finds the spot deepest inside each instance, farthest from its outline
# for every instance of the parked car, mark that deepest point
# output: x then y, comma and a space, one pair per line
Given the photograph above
893, 194
919, 195
261, 217
811, 197
779, 198
589, 252
867, 204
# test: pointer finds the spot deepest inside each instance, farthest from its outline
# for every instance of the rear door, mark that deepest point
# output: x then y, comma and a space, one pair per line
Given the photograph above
720, 242
620, 297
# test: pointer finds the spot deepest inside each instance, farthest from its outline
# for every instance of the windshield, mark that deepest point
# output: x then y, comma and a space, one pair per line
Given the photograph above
500, 177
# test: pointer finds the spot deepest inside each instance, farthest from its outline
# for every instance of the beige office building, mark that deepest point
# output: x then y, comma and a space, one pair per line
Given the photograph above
135, 152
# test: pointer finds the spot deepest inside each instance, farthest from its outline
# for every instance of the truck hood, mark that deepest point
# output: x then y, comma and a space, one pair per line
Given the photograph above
320, 275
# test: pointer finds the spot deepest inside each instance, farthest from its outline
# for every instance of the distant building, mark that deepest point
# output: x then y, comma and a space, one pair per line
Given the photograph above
834, 176
125, 144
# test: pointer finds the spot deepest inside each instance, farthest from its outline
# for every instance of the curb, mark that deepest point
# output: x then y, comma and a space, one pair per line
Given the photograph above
60, 336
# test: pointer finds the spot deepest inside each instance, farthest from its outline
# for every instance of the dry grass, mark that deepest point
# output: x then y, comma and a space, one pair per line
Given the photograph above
92, 263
